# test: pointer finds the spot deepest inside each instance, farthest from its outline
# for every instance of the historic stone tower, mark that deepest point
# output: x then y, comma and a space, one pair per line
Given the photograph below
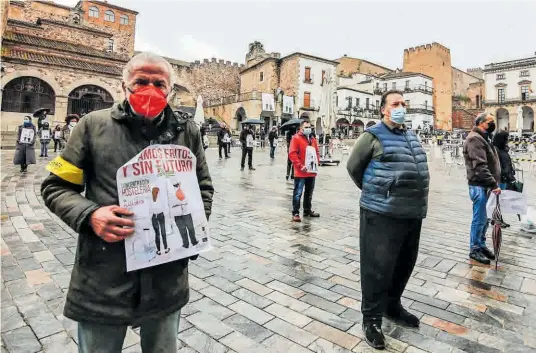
434, 60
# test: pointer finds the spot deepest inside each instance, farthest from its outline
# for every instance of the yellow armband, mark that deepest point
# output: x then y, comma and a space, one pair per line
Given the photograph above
66, 171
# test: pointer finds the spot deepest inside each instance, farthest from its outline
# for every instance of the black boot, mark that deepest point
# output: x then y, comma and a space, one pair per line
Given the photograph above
401, 316
374, 335
487, 253
478, 256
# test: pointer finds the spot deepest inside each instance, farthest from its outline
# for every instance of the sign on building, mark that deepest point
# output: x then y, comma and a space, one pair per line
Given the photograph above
288, 105
268, 103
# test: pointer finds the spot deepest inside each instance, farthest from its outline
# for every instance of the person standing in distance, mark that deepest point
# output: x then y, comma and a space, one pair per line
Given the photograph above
272, 138
247, 139
304, 175
483, 175
389, 165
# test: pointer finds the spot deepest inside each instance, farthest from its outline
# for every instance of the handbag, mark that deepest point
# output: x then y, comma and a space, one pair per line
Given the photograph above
515, 185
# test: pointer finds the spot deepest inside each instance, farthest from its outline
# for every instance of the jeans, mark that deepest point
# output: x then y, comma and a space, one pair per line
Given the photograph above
479, 225
388, 249
44, 149
159, 226
223, 146
186, 228
299, 184
272, 150
157, 336
249, 153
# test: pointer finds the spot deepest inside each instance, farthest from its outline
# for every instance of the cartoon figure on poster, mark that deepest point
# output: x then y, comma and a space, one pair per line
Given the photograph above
160, 187
27, 135
311, 160
249, 141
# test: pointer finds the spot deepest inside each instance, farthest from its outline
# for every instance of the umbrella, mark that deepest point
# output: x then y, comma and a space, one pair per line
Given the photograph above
292, 123
496, 234
41, 111
253, 121
199, 116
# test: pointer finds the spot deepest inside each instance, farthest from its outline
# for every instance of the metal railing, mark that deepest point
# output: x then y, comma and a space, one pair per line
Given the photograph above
242, 97
408, 89
517, 100
420, 109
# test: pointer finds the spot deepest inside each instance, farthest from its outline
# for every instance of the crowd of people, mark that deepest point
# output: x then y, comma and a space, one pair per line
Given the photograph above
387, 163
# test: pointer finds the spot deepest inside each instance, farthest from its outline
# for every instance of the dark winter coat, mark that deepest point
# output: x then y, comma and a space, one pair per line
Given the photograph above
101, 291
481, 161
25, 152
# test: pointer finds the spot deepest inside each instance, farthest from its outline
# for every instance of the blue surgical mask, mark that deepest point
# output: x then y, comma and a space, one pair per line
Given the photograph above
27, 123
398, 115
307, 131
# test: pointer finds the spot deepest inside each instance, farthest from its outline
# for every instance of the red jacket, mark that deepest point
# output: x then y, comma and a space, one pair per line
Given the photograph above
296, 154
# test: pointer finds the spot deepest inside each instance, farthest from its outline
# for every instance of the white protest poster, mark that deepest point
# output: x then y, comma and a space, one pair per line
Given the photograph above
311, 160
510, 202
249, 141
288, 105
57, 135
27, 135
45, 134
226, 138
268, 103
160, 187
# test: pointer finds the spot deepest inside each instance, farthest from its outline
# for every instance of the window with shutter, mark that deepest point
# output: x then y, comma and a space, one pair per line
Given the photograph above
307, 100
323, 77
308, 74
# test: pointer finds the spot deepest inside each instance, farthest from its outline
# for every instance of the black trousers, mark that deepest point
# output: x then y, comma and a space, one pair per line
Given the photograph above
186, 228
388, 252
159, 226
57, 144
249, 152
223, 146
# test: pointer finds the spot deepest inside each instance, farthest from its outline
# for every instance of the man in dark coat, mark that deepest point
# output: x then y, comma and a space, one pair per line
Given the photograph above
272, 138
224, 139
389, 165
103, 297
247, 139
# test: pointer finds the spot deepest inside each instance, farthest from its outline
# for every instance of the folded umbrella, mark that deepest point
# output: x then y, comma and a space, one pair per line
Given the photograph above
496, 234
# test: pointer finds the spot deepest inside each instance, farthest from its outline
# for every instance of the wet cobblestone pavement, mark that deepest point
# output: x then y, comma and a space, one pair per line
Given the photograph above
271, 285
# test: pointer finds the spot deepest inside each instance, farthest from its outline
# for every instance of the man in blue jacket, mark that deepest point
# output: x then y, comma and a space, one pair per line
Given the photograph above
389, 165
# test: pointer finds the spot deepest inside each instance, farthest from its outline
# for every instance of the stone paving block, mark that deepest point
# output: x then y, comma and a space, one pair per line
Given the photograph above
37, 277
227, 274
210, 307
278, 344
53, 267
209, 325
321, 292
286, 289
218, 295
44, 324
242, 344
27, 235
291, 332
19, 288
222, 283
11, 319
21, 340
29, 264
323, 304
201, 342
350, 303
345, 282
528, 286
12, 273
61, 279
30, 305
439, 313
465, 344
196, 283
66, 258
287, 301
252, 298
438, 303
323, 346
328, 318
251, 312
254, 286
333, 335
288, 315
59, 342
248, 328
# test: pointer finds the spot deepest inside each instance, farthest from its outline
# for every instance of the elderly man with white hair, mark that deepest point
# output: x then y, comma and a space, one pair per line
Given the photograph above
103, 297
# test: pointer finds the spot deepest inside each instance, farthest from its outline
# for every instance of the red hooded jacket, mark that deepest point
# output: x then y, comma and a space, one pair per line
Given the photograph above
296, 154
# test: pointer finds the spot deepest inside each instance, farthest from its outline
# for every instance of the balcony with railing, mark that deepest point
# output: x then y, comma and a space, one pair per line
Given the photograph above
360, 112
420, 109
505, 65
406, 89
235, 98
524, 98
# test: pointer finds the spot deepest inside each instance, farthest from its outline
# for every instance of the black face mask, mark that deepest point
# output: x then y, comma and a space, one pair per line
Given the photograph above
491, 128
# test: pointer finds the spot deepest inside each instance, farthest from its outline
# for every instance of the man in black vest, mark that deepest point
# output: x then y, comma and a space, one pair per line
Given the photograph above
247, 139
389, 165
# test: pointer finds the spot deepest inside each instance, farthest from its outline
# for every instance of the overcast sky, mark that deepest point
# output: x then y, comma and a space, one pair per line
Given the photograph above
477, 32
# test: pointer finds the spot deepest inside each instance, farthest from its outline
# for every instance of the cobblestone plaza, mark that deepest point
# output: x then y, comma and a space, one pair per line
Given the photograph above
270, 285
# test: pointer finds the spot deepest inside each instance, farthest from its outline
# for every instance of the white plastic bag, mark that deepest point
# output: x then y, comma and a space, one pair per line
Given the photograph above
510, 201
528, 221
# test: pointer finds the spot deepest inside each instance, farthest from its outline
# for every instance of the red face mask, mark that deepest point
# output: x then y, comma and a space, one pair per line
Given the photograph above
147, 101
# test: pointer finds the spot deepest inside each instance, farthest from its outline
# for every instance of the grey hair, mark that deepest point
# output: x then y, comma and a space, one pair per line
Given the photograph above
147, 57
480, 118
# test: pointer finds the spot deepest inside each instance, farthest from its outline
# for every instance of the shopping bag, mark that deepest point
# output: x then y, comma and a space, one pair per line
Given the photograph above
528, 221
511, 202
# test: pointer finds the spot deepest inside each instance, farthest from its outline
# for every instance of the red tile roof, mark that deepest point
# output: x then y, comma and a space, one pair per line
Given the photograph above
34, 41
32, 56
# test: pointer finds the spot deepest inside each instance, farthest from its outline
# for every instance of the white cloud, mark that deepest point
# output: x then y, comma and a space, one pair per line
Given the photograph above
192, 49
142, 45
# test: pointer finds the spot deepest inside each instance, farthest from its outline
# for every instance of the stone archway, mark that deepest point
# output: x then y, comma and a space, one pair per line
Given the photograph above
528, 119
305, 116
358, 125
115, 92
240, 115
58, 91
503, 119
88, 98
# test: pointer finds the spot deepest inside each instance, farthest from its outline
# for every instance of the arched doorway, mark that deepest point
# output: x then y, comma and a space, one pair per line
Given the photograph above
503, 118
88, 98
358, 125
528, 119
240, 115
342, 125
26, 94
371, 124
182, 96
305, 116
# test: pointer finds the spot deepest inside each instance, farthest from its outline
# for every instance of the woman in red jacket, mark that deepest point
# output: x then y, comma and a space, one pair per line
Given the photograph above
304, 155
